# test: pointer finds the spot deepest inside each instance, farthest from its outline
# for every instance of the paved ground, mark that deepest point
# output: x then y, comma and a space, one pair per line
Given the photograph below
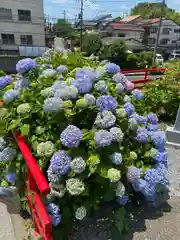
141, 77
160, 222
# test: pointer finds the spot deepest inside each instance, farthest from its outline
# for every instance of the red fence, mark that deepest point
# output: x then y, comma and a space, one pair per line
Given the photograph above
37, 186
147, 72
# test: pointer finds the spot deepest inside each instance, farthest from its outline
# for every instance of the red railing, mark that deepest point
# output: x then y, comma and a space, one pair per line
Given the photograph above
140, 83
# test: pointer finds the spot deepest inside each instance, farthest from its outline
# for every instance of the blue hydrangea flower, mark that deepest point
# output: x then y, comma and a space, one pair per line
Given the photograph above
25, 65
159, 139
90, 73
142, 137
138, 94
123, 200
8, 154
142, 130
155, 176
21, 84
53, 104
54, 213
53, 177
90, 99
105, 119
103, 138
60, 163
106, 102
112, 68
119, 78
153, 127
10, 95
139, 185
119, 88
5, 80
58, 85
101, 86
11, 177
129, 108
141, 119
71, 137
84, 85
133, 174
152, 118
116, 158
67, 92
61, 69
117, 134
161, 157
149, 191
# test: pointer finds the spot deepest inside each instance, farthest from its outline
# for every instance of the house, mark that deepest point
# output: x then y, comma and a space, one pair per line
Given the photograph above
21, 24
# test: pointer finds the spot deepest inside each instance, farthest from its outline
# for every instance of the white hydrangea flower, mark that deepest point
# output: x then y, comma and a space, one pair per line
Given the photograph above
120, 189
45, 149
3, 143
78, 165
23, 108
114, 175
47, 92
80, 213
57, 190
75, 186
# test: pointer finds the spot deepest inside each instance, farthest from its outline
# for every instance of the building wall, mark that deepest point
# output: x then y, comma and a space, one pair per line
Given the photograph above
35, 27
126, 34
171, 35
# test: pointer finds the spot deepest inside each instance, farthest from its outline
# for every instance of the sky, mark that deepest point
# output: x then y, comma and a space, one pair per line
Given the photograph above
92, 8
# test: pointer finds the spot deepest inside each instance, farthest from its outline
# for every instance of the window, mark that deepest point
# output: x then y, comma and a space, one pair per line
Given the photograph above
121, 35
153, 30
26, 39
5, 14
141, 35
166, 30
8, 39
174, 41
24, 15
177, 30
164, 41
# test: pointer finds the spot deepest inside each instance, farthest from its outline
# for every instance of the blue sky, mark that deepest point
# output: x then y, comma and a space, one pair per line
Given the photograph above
93, 8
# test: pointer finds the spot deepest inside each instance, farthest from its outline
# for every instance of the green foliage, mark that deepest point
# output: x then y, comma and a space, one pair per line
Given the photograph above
139, 60
162, 96
154, 10
91, 44
63, 29
2, 73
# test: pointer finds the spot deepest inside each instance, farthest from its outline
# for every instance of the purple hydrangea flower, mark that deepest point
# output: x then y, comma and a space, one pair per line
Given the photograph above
138, 94
71, 137
5, 80
53, 104
129, 108
141, 119
60, 163
103, 138
84, 85
142, 137
105, 119
56, 219
11, 177
153, 127
152, 118
159, 139
106, 102
133, 174
123, 200
25, 65
116, 158
101, 86
10, 95
61, 68
112, 68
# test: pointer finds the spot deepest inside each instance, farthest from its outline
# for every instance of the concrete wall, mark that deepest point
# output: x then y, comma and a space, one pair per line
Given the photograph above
16, 27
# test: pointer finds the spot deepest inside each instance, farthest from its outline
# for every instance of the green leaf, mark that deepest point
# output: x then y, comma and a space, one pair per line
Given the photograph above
25, 129
119, 218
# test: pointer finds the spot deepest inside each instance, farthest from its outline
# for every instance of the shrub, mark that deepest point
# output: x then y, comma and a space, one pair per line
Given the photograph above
91, 44
162, 96
85, 133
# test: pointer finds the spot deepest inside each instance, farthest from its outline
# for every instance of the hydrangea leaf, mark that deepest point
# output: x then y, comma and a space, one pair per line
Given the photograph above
25, 129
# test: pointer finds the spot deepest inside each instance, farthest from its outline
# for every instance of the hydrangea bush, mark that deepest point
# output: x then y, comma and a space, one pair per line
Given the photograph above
79, 118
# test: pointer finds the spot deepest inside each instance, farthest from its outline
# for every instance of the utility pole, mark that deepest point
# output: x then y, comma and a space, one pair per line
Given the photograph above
158, 32
81, 24
64, 14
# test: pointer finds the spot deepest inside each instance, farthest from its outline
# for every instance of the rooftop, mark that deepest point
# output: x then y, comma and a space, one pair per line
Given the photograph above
129, 18
126, 26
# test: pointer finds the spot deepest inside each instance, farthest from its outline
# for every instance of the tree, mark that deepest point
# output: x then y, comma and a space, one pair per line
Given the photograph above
115, 52
91, 44
63, 29
154, 10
